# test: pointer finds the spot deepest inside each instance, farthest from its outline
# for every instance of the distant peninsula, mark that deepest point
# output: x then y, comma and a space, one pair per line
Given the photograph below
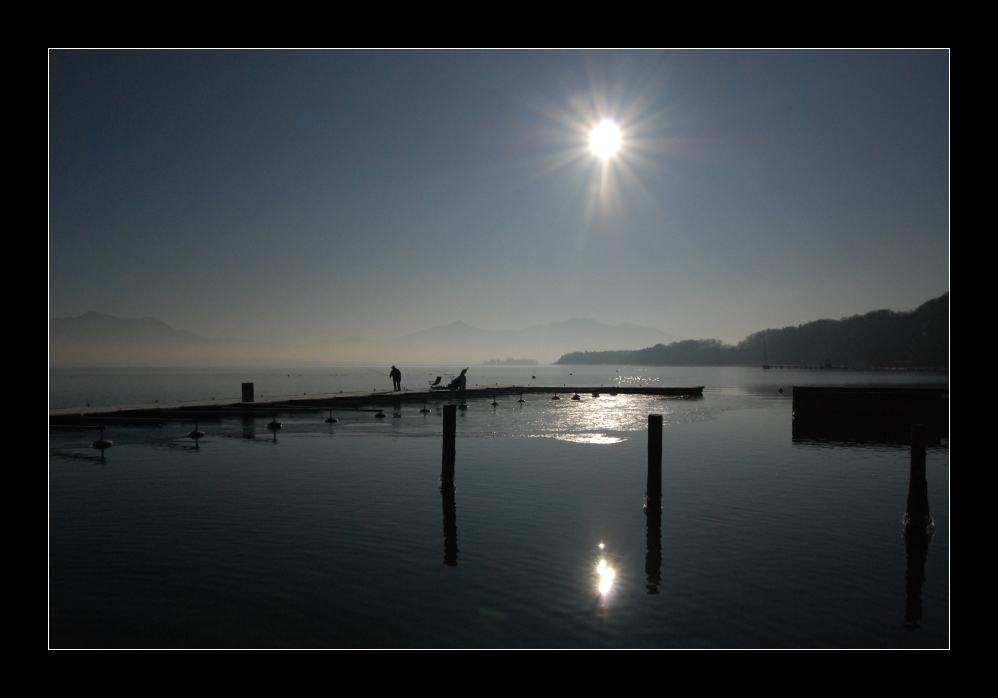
880, 339
510, 361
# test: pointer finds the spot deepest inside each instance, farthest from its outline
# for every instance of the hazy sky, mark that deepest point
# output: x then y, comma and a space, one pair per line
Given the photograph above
324, 196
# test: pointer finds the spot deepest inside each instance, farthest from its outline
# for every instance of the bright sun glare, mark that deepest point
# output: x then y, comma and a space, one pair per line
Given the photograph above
605, 139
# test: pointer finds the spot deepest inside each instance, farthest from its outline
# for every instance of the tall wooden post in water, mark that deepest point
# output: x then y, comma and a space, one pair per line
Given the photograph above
918, 488
653, 492
653, 504
447, 486
450, 433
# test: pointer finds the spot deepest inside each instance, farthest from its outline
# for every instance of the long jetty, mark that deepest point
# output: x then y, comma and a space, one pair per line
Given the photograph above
333, 401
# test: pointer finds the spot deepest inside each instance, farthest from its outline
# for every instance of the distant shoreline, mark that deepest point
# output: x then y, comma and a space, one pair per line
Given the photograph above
510, 361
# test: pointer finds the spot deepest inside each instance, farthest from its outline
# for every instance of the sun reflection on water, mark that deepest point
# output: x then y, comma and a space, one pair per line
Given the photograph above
605, 574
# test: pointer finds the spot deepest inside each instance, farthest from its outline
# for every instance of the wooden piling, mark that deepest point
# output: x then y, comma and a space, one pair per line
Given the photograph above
247, 392
918, 489
450, 433
653, 493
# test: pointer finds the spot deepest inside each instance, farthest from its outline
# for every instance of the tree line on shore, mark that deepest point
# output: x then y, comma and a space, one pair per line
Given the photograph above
882, 338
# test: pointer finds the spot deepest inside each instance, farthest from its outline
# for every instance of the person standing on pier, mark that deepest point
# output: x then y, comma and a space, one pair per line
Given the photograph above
396, 379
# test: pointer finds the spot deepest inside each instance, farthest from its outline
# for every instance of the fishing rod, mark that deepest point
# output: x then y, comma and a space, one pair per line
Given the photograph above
371, 369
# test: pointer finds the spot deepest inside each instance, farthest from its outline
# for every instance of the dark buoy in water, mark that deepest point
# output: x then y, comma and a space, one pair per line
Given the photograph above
275, 425
495, 402
556, 397
595, 394
576, 397
425, 409
381, 414
780, 391
103, 443
196, 434
534, 377
613, 394
463, 405
521, 398
331, 419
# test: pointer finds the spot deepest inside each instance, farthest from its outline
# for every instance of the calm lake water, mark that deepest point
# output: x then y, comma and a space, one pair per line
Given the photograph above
341, 536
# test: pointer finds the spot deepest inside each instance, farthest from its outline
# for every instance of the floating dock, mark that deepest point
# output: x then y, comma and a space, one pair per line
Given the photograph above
870, 413
332, 401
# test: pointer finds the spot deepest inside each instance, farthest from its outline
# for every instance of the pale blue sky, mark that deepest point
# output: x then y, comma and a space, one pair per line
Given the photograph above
323, 196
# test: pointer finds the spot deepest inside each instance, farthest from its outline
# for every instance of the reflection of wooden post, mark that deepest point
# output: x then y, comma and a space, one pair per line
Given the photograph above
917, 530
450, 524
654, 489
450, 433
653, 557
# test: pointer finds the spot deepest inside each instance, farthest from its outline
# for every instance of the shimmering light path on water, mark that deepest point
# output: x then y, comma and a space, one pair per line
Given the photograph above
339, 536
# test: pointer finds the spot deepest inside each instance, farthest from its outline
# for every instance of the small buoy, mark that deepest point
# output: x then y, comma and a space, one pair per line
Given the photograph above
381, 414
533, 377
494, 402
197, 433
576, 397
462, 406
595, 394
103, 443
780, 391
521, 398
275, 425
613, 394
331, 419
425, 408
556, 398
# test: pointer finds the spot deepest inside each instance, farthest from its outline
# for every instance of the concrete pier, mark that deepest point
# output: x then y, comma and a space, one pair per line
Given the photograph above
869, 413
147, 413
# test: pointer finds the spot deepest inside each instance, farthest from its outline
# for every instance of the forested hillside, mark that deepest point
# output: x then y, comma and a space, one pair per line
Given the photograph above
882, 338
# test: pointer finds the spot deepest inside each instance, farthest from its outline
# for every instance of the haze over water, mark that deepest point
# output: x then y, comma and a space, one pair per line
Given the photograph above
338, 535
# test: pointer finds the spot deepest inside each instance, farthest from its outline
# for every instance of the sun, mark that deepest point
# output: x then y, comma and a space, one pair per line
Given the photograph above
605, 139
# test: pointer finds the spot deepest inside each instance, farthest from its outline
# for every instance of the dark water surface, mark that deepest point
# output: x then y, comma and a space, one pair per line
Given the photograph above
341, 537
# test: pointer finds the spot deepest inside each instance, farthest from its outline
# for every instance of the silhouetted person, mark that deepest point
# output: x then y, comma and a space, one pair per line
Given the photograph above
396, 379
460, 382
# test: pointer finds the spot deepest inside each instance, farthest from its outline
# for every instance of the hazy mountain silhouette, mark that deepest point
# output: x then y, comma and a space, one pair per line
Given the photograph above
882, 338
96, 339
99, 329
460, 341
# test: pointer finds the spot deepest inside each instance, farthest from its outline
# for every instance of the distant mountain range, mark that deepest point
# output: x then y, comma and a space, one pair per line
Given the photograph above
459, 341
96, 339
882, 338
99, 329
